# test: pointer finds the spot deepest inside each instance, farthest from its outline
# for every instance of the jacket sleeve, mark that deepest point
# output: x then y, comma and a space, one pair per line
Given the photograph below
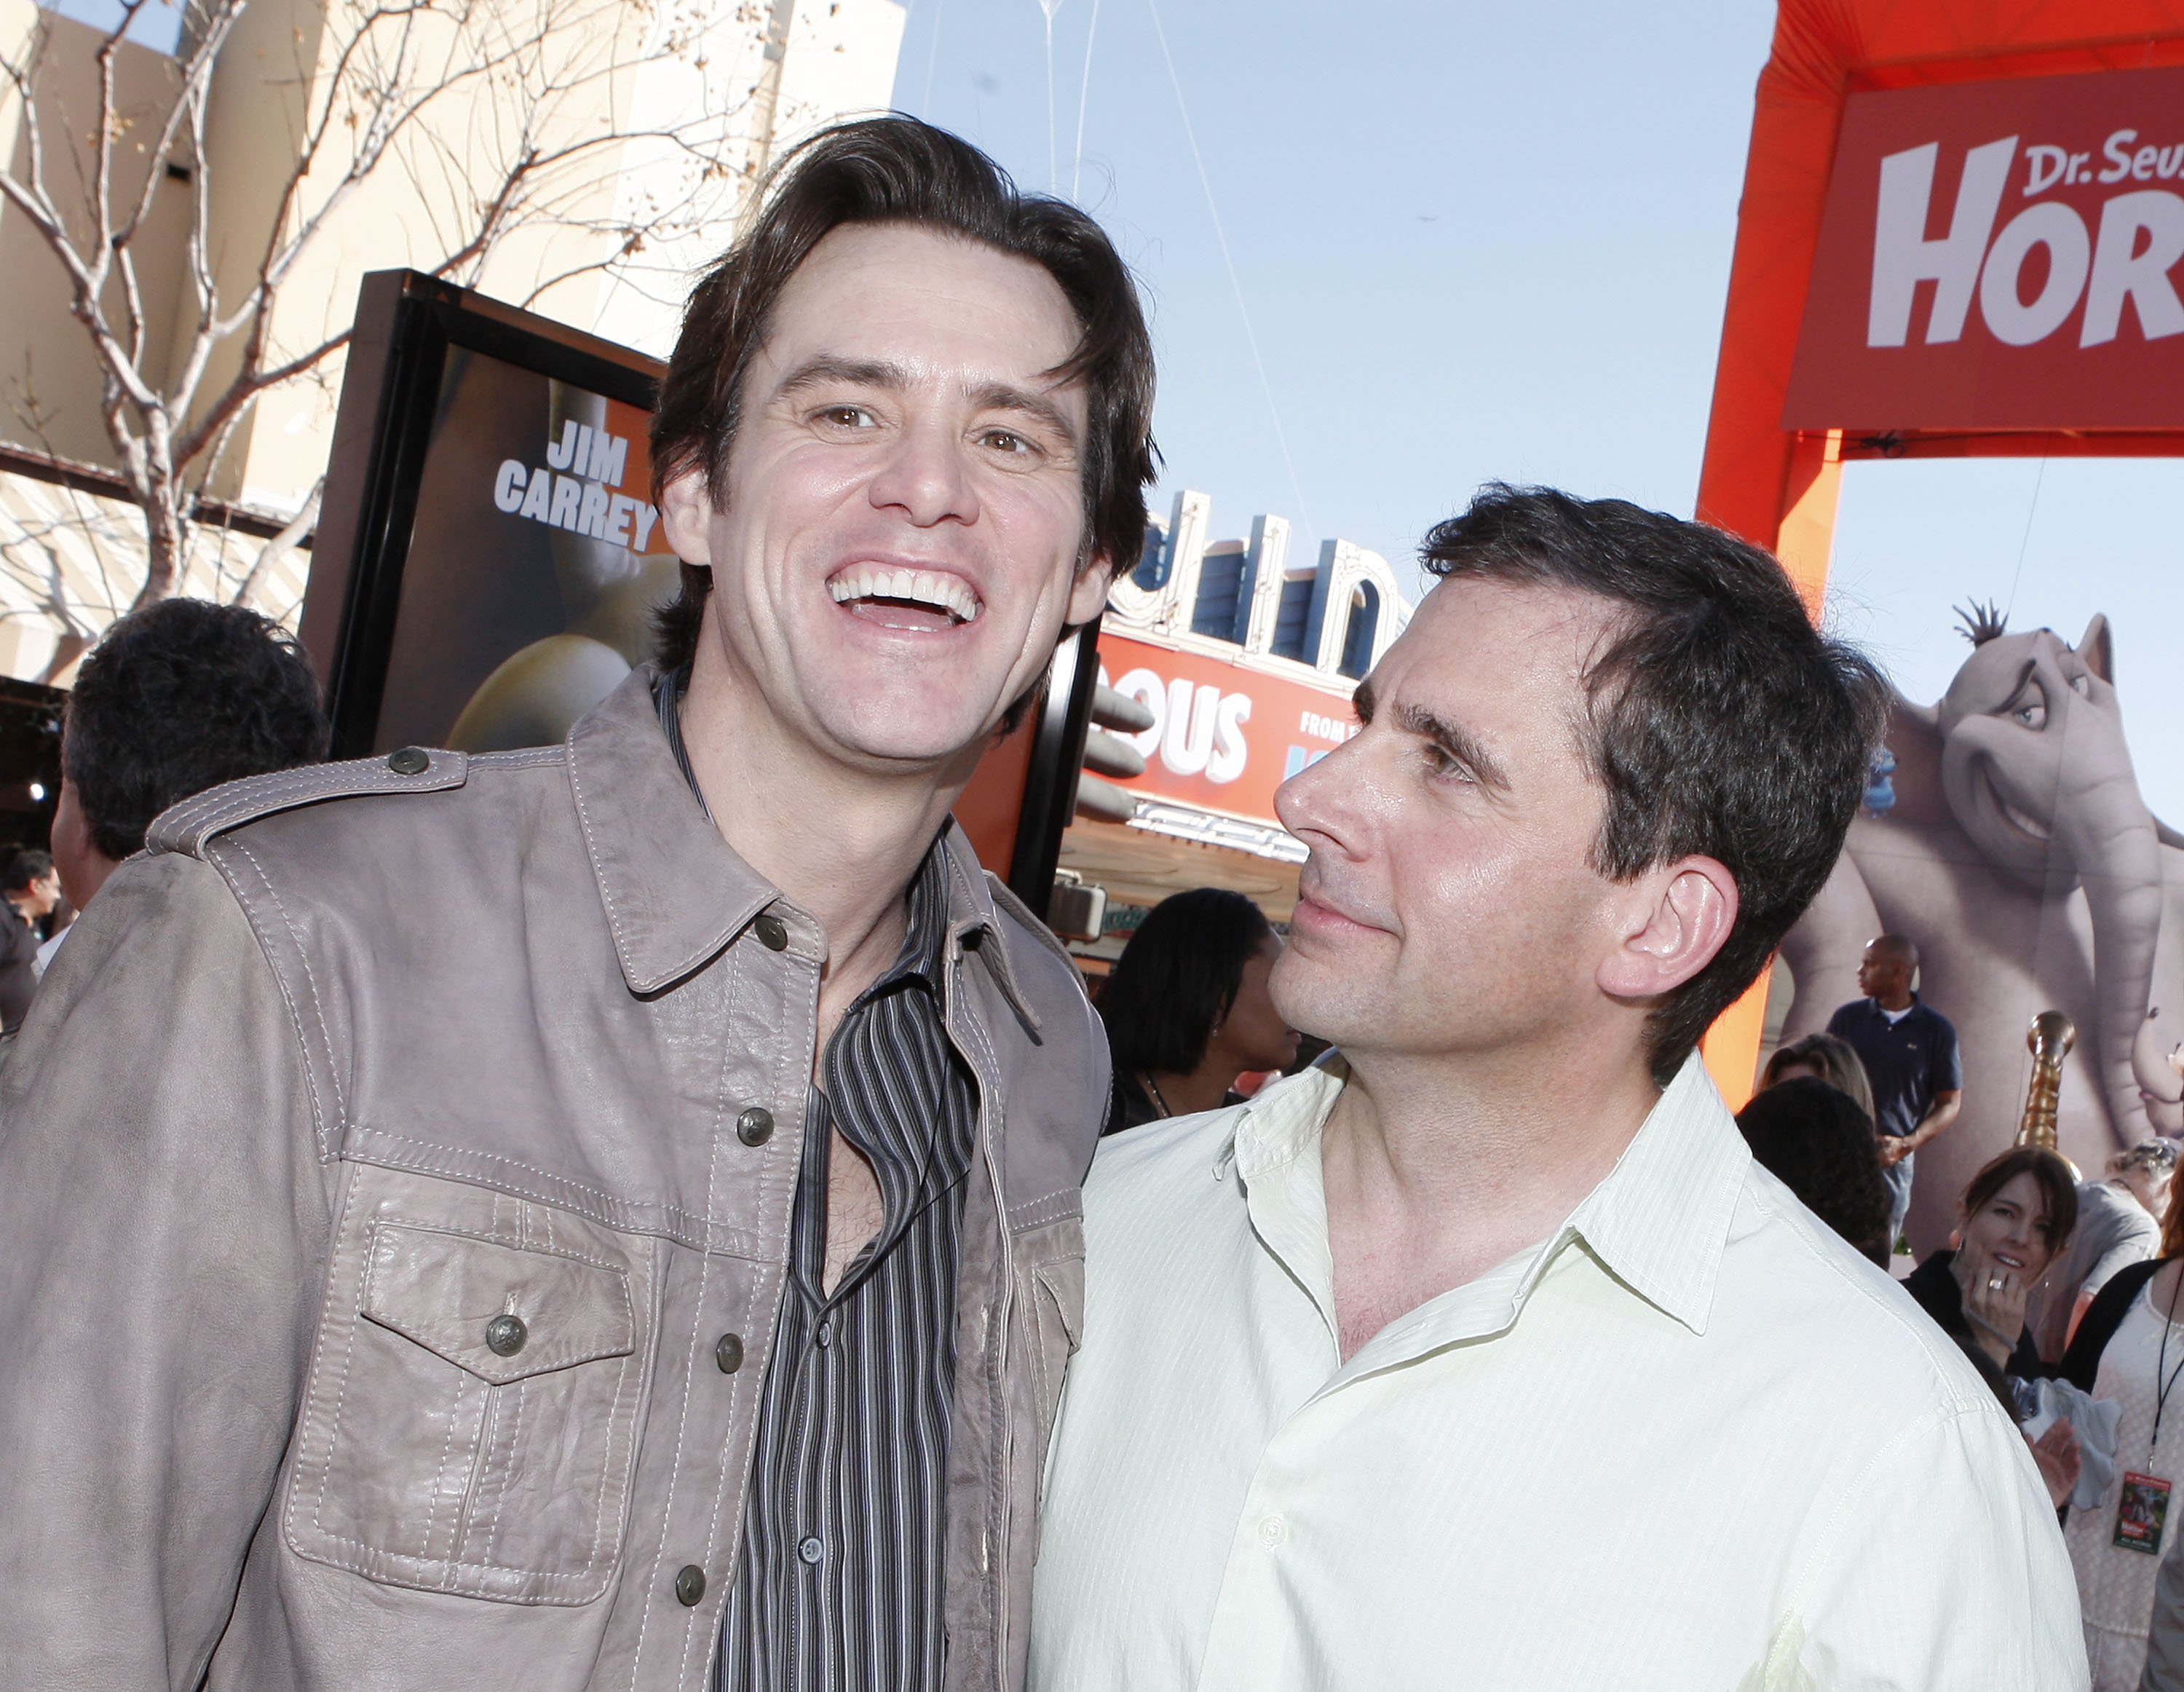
165, 1218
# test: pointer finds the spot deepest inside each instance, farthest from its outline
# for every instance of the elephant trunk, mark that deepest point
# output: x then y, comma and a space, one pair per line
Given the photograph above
2115, 846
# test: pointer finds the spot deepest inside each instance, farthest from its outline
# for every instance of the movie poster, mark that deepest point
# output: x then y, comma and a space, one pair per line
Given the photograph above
2005, 830
534, 565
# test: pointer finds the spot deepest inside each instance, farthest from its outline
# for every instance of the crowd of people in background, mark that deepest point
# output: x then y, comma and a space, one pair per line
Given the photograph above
176, 699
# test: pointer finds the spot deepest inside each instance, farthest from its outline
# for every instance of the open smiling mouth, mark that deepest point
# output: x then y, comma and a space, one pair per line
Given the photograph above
908, 600
2022, 821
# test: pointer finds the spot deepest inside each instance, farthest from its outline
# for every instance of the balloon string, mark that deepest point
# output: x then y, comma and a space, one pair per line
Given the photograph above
1214, 212
2031, 511
1083, 90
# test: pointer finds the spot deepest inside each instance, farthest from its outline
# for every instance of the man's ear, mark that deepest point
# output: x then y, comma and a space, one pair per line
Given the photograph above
1679, 916
686, 517
1087, 594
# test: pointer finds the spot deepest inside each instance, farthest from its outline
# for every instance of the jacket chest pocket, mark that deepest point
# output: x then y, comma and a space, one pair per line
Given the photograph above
469, 1426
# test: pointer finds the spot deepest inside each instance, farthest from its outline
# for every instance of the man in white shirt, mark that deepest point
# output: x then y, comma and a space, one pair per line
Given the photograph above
1487, 1358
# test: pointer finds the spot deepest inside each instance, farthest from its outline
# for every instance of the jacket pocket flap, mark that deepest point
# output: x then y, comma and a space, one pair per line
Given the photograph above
450, 1292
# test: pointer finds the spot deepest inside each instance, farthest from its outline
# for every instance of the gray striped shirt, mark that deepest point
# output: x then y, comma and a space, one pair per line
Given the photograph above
838, 1582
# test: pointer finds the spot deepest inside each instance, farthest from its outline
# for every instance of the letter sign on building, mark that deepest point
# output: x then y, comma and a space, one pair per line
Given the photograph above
2001, 255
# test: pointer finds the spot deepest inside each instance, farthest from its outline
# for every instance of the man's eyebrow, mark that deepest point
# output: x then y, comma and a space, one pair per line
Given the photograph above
894, 378
1000, 396
1459, 743
825, 369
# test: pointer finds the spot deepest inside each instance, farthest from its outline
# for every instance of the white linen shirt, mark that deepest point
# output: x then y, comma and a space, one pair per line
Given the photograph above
1693, 1441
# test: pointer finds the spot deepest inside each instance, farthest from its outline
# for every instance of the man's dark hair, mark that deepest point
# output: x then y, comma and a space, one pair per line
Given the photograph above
1719, 721
1818, 1142
2058, 1188
177, 698
1177, 976
24, 867
896, 170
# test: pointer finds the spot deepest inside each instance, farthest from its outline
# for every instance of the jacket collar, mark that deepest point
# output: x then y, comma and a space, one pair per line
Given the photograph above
675, 892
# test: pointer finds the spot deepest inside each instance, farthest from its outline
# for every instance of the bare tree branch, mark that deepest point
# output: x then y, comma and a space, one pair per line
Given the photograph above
493, 118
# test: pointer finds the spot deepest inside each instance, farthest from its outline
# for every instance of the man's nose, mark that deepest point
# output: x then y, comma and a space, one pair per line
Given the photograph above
926, 476
1318, 800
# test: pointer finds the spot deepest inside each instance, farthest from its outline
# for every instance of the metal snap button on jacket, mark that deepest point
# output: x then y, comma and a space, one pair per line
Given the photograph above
409, 760
755, 1126
690, 1584
772, 934
504, 1335
729, 1353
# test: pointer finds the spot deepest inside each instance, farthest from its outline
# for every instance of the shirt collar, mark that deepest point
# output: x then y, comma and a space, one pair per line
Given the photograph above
1659, 1222
676, 892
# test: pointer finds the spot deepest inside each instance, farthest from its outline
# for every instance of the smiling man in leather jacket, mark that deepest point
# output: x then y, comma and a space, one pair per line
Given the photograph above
606, 1215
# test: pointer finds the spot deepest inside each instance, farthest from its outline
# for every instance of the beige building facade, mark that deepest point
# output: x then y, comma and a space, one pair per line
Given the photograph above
579, 158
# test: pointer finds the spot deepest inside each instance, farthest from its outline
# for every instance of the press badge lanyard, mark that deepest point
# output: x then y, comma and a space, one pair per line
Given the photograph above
2142, 1506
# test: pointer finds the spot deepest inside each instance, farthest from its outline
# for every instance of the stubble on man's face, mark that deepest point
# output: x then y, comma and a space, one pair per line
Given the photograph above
1450, 904
902, 537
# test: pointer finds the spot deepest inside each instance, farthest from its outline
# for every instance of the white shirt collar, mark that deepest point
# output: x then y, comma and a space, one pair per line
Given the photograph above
1657, 1222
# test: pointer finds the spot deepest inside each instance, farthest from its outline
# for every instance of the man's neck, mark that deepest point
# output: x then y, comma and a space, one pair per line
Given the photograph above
841, 844
1437, 1170
1895, 1006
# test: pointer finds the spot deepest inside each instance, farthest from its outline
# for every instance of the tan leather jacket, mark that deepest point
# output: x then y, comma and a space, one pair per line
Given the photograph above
355, 1061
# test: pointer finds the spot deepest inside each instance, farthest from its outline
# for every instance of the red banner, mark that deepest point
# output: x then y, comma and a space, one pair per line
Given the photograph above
2001, 255
1223, 736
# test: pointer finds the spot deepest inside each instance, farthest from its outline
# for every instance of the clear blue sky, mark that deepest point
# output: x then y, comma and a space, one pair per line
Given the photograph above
1479, 242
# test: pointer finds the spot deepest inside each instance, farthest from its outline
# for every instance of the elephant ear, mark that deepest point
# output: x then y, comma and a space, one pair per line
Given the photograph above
2098, 648
1914, 739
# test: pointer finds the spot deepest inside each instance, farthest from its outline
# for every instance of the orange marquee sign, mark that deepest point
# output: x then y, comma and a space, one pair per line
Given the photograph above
1223, 736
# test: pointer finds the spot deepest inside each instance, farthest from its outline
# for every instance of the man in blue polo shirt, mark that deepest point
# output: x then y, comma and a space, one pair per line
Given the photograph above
1909, 1051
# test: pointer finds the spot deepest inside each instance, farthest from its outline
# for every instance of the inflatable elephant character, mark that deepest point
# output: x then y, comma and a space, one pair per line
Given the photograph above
2019, 856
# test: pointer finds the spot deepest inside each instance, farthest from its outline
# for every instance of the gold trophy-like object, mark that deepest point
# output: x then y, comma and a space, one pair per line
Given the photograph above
2049, 1040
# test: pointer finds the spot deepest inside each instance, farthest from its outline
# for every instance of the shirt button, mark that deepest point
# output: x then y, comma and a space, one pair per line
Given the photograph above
755, 1126
1272, 1531
728, 1353
810, 1548
826, 1334
689, 1584
771, 933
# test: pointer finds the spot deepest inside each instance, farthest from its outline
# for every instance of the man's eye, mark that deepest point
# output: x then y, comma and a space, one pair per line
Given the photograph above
1009, 442
848, 417
1439, 761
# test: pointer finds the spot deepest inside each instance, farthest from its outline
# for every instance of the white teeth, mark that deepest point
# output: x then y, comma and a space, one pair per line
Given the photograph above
922, 587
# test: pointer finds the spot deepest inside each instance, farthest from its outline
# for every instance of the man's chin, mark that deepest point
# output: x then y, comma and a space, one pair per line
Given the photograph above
906, 737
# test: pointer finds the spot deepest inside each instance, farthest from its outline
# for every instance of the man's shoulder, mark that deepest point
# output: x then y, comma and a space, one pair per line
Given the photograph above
1849, 1016
2103, 1204
1788, 1280
1938, 1027
356, 794
1171, 1163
